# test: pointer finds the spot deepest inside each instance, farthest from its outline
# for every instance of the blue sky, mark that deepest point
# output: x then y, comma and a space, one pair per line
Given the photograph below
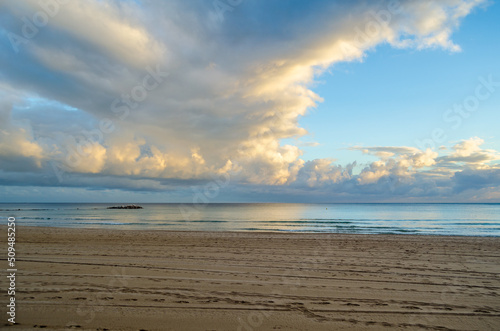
286, 101
373, 101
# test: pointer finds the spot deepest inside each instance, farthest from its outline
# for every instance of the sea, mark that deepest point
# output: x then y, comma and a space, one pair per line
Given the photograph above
394, 218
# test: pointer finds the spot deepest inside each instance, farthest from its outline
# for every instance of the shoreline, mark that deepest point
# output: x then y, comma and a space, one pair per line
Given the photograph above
260, 232
194, 280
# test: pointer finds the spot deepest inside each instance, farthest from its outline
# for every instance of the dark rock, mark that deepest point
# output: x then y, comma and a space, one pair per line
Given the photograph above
125, 207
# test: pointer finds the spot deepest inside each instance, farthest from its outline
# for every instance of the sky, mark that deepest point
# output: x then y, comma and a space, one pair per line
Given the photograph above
249, 101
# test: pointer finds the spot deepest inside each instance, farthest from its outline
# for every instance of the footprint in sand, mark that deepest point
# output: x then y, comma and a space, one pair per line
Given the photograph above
445, 308
481, 311
412, 307
296, 303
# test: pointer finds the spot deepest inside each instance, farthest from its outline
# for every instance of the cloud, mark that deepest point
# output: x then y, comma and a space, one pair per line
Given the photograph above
400, 161
469, 153
153, 91
432, 23
322, 172
114, 31
474, 180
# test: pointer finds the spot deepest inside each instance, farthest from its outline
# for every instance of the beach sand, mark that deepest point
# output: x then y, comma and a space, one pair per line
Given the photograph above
88, 279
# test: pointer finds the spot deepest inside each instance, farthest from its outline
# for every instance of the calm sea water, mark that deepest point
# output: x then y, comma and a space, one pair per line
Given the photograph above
423, 219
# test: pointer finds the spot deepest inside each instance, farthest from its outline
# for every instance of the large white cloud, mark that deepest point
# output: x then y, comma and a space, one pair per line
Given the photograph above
179, 90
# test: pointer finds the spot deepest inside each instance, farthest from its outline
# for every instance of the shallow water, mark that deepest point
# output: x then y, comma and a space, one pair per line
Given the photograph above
424, 219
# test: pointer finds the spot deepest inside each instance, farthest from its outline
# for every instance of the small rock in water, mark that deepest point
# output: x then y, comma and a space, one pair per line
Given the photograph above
125, 207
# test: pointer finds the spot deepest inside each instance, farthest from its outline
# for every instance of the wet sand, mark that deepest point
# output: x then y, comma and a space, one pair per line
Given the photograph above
144, 280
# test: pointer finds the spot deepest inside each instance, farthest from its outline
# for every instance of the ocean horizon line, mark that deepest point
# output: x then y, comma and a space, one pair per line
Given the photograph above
264, 202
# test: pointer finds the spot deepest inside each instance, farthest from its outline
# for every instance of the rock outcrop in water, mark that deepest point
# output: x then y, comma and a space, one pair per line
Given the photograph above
125, 207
